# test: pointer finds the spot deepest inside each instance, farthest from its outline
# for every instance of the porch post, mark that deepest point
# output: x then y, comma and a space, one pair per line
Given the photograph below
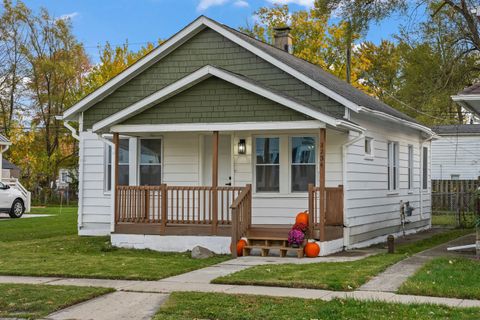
215, 182
322, 146
116, 142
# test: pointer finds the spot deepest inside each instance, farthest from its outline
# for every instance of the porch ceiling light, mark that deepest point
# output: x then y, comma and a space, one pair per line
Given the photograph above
242, 146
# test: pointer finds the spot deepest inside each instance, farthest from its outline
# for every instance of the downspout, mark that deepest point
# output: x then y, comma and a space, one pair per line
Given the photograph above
80, 165
346, 229
420, 189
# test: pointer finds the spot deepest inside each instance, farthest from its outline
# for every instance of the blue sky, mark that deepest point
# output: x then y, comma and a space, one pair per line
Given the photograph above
97, 21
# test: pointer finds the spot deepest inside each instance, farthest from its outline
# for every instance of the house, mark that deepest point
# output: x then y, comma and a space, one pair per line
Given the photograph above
9, 170
4, 145
214, 136
456, 153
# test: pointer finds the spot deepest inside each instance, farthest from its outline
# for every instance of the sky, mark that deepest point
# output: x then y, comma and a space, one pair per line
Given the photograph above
139, 21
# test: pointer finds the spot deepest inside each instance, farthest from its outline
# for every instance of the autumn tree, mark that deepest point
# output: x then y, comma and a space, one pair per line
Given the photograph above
357, 15
13, 67
315, 39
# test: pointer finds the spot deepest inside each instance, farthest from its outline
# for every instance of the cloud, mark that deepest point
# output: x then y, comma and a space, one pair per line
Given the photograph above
241, 4
205, 4
304, 3
68, 16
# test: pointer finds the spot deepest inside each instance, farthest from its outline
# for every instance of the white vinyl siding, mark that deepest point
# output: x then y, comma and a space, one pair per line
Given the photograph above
410, 166
371, 210
455, 156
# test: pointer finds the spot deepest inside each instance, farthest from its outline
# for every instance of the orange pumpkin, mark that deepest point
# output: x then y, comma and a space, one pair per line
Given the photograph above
302, 217
240, 245
312, 249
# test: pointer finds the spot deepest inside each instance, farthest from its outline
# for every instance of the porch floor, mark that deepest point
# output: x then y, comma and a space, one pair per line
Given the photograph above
281, 231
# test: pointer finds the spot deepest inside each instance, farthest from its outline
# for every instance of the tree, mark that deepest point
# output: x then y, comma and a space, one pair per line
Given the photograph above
357, 16
57, 64
315, 39
464, 15
12, 62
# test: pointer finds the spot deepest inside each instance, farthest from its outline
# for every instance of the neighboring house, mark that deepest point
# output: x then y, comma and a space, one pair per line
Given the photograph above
456, 153
10, 173
64, 178
9, 170
215, 136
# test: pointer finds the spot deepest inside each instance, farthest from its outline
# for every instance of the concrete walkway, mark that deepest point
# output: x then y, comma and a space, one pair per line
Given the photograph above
120, 305
391, 279
6, 217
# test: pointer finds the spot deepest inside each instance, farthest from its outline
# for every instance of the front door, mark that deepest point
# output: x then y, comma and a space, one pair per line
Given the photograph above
224, 160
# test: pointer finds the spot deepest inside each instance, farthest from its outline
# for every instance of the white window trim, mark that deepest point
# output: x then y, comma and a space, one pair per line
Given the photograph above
290, 162
139, 163
371, 155
410, 168
106, 171
254, 162
423, 147
391, 188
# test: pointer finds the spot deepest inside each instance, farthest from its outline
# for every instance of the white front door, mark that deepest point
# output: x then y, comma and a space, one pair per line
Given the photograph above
224, 160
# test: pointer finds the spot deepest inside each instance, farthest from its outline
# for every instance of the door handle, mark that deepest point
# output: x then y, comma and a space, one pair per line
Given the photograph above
228, 184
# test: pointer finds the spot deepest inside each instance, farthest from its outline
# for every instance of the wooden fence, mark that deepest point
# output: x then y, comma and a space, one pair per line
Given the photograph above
455, 201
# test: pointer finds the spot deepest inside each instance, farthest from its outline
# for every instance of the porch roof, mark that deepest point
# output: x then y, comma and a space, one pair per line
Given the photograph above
239, 80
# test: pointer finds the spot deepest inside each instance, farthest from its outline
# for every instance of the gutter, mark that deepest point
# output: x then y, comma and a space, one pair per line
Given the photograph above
346, 228
407, 123
69, 127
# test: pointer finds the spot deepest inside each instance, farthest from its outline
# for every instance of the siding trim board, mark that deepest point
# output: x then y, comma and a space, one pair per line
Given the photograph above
200, 75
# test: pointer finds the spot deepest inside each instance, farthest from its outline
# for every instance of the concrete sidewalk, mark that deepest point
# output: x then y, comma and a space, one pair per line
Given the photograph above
391, 279
169, 285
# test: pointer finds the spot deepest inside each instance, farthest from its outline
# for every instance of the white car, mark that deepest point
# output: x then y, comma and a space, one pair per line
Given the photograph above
12, 201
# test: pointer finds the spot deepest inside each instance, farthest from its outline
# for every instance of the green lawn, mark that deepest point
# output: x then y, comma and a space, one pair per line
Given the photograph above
332, 276
446, 277
49, 246
193, 305
35, 301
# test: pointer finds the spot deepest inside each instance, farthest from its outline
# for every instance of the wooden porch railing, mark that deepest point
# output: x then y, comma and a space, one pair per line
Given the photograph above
241, 216
159, 207
328, 213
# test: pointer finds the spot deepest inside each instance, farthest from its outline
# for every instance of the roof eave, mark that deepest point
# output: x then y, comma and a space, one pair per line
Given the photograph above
409, 124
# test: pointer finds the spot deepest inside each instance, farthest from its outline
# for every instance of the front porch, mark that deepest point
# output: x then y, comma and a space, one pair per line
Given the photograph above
224, 213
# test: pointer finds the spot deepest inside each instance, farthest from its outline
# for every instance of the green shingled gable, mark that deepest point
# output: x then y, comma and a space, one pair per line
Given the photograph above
216, 100
208, 47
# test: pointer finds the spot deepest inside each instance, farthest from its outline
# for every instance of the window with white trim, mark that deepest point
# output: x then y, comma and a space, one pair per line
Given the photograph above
150, 164
267, 164
123, 165
392, 165
425, 169
368, 146
410, 167
302, 163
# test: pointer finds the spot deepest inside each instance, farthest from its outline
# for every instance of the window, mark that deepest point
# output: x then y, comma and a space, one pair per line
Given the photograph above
267, 164
425, 168
392, 165
368, 146
303, 163
455, 177
123, 165
150, 162
410, 167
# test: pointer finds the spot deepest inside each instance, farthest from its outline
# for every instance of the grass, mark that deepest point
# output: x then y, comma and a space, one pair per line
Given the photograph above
332, 275
49, 246
448, 218
193, 305
35, 301
444, 277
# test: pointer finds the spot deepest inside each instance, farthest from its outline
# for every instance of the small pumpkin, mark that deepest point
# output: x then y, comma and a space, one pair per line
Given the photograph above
312, 249
302, 217
240, 245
